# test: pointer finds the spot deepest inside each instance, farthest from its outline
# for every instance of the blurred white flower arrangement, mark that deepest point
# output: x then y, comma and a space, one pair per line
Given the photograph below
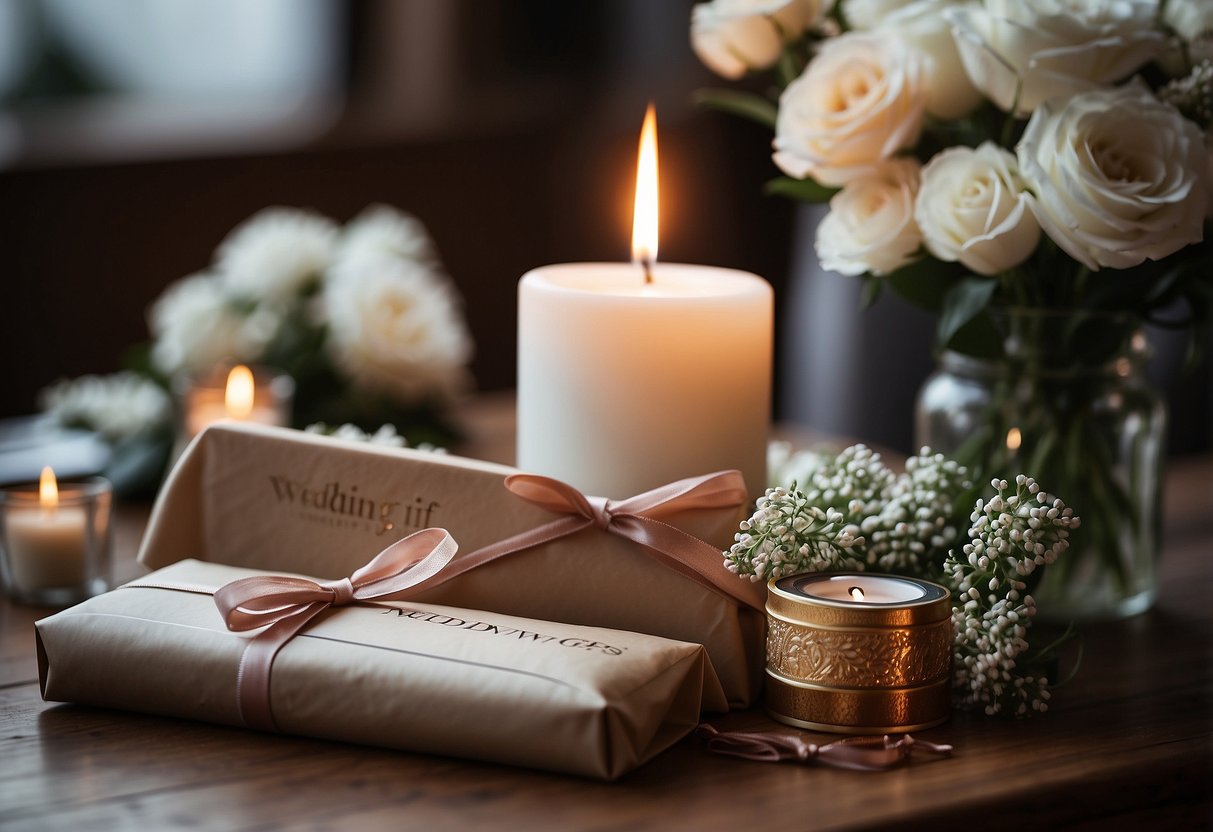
363, 317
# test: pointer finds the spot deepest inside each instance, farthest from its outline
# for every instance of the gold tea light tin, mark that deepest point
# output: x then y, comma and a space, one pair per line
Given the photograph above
858, 653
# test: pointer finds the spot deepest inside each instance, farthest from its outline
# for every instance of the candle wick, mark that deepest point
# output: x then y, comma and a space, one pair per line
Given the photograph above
646, 263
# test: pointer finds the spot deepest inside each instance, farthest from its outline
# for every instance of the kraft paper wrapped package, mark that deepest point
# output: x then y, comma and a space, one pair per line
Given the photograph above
407, 675
282, 500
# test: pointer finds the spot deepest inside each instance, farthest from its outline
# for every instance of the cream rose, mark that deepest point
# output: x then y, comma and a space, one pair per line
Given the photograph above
1052, 47
870, 227
972, 208
732, 37
950, 93
1118, 176
858, 103
868, 14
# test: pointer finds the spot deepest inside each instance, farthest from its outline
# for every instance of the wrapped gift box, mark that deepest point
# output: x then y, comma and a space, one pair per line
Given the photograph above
406, 675
282, 500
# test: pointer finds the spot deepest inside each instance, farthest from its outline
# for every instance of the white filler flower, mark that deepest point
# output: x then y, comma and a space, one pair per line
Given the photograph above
382, 231
275, 254
395, 327
870, 227
1118, 176
972, 208
195, 327
858, 103
117, 406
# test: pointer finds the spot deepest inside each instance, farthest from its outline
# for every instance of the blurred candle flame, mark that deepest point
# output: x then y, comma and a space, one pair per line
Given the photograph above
238, 397
1014, 439
644, 214
48, 490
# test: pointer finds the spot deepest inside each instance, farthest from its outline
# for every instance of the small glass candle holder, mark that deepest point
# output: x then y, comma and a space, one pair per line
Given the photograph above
55, 540
240, 393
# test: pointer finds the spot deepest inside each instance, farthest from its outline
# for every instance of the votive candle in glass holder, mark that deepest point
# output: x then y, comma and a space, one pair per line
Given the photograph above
238, 393
55, 540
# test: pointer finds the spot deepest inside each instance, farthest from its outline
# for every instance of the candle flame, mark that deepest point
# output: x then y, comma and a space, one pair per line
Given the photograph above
238, 398
644, 215
856, 593
48, 490
1014, 439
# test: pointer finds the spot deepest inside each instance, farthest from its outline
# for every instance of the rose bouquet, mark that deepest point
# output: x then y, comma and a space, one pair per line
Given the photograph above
1037, 173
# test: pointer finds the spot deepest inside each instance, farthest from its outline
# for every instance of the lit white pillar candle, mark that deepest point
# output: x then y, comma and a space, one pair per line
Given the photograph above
632, 376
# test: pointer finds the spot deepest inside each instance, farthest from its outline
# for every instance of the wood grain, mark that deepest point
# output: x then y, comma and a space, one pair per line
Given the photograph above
1129, 741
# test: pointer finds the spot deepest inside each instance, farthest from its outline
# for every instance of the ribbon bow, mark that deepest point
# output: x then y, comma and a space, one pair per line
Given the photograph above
637, 519
857, 753
288, 604
425, 559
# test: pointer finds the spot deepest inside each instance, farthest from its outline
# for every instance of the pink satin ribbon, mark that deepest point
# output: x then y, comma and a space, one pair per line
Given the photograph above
426, 559
286, 605
638, 519
857, 753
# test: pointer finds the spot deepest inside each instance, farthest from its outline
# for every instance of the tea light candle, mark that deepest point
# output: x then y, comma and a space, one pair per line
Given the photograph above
238, 395
632, 376
858, 653
54, 545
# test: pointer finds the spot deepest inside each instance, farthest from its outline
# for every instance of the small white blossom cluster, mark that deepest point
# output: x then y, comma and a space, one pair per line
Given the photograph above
1192, 94
386, 435
118, 406
903, 519
369, 301
1012, 535
787, 535
851, 511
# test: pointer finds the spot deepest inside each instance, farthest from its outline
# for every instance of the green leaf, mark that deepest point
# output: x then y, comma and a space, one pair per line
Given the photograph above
808, 190
925, 282
961, 304
738, 103
978, 338
871, 290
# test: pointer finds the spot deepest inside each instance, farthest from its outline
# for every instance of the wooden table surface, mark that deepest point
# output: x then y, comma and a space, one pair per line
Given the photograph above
1130, 740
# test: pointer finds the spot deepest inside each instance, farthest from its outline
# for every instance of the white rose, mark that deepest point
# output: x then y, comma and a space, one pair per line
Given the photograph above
383, 231
195, 327
870, 227
858, 102
972, 208
732, 37
1052, 47
868, 14
1192, 20
276, 253
395, 327
1118, 176
950, 93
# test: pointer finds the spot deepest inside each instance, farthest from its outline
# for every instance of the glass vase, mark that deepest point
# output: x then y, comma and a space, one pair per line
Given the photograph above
1066, 403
